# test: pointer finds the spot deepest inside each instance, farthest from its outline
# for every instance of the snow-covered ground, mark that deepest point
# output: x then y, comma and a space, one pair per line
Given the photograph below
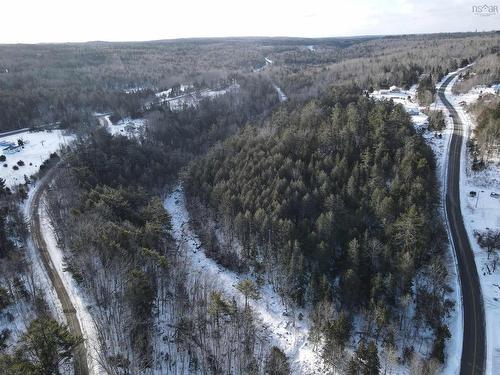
191, 98
37, 148
481, 213
289, 333
87, 324
127, 126
281, 95
474, 94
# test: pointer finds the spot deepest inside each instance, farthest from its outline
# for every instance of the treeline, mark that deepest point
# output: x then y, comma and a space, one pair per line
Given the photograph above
48, 83
42, 84
485, 71
486, 140
194, 130
335, 202
383, 62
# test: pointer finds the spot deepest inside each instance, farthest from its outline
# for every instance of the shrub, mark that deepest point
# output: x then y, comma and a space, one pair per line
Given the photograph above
2, 158
20, 163
5, 298
15, 167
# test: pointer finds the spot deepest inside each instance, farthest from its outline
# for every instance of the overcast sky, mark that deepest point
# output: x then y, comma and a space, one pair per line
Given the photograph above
34, 21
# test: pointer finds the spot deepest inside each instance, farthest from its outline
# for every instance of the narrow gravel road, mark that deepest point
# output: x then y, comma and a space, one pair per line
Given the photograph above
80, 359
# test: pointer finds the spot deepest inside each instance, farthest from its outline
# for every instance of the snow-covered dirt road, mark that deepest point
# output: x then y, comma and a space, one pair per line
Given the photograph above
77, 316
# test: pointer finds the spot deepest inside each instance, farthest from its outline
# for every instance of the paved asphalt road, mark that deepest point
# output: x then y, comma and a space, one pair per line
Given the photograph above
474, 340
80, 358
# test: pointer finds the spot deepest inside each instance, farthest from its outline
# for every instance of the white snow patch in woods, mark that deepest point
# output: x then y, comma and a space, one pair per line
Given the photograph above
281, 95
128, 127
290, 334
37, 148
87, 324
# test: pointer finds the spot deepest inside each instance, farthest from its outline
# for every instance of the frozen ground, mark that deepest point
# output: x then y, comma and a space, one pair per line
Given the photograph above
37, 148
290, 334
480, 213
128, 127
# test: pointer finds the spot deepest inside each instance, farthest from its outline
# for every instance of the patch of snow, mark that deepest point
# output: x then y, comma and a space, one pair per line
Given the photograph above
163, 94
281, 95
134, 90
128, 127
37, 148
474, 94
289, 333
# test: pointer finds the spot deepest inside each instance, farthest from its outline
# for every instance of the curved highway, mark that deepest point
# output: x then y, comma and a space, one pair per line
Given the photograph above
474, 339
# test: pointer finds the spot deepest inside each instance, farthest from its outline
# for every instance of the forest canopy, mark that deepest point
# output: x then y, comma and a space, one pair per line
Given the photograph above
339, 198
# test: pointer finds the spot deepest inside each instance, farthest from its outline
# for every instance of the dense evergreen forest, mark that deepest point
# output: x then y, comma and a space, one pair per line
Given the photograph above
336, 202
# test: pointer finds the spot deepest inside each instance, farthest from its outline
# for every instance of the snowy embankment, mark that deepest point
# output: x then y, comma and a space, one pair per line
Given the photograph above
288, 333
35, 148
482, 212
87, 324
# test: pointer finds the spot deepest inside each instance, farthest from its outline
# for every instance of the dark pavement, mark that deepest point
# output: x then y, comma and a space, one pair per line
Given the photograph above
474, 340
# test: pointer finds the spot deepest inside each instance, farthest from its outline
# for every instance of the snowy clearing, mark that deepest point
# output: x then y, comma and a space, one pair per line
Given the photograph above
36, 149
128, 127
290, 334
